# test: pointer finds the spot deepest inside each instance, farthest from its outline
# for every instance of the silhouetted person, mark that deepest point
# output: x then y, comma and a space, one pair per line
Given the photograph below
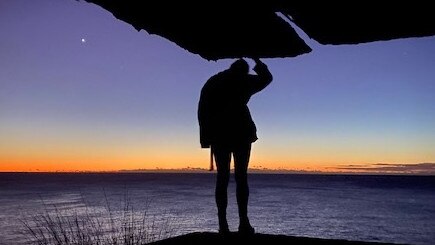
227, 127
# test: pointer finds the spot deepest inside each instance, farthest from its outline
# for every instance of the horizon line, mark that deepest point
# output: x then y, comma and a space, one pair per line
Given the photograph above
207, 171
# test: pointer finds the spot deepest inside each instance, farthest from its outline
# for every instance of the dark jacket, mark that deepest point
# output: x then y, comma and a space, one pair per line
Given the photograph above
223, 113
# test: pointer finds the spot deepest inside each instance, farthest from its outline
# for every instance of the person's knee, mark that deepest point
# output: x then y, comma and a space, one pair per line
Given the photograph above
222, 181
241, 173
224, 176
242, 184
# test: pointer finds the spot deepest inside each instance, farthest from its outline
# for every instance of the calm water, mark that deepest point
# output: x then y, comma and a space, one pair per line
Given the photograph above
397, 209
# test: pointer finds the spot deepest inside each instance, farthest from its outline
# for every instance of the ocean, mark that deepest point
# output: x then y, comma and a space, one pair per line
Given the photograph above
395, 209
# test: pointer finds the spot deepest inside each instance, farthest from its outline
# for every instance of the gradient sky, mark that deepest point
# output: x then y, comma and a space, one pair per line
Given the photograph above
81, 90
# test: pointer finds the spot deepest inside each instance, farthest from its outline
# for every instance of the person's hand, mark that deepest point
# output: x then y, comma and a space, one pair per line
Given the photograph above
259, 65
257, 61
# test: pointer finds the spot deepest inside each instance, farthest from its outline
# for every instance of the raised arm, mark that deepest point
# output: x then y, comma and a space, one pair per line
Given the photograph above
263, 77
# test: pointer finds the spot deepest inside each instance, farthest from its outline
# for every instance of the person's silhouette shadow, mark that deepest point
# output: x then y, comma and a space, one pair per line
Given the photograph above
226, 126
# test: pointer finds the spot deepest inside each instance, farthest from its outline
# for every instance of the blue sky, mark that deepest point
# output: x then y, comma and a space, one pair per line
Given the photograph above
125, 99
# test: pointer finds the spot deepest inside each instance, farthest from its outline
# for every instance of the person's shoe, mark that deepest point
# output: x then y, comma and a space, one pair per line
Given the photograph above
224, 230
246, 229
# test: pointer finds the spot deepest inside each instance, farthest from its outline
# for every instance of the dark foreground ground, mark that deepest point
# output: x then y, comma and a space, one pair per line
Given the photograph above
208, 238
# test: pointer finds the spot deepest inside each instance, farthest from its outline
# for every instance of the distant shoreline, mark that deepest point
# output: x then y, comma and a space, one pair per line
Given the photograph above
203, 171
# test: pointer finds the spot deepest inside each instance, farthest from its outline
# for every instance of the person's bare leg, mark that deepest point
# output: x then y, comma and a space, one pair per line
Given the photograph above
241, 161
223, 159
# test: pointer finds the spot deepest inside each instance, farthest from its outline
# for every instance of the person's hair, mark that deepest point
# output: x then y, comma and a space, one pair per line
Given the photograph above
240, 65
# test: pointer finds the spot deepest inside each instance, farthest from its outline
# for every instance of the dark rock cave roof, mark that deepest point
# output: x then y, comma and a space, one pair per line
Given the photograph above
232, 29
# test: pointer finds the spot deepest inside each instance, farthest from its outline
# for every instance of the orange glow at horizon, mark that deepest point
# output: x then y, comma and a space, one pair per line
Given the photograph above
65, 165
69, 150
200, 159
